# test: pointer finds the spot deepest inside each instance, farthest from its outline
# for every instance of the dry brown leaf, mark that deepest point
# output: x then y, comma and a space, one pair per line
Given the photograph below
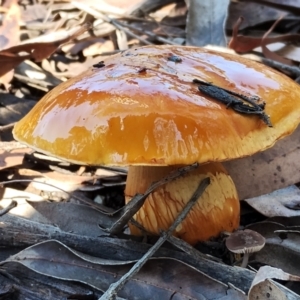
9, 58
268, 53
270, 170
98, 48
278, 203
263, 288
8, 61
9, 34
12, 158
9, 31
241, 43
254, 14
67, 182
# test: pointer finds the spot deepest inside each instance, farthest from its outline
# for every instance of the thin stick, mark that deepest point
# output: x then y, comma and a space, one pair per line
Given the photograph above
180, 244
294, 70
99, 15
187, 248
138, 200
7, 127
114, 288
49, 184
147, 32
11, 205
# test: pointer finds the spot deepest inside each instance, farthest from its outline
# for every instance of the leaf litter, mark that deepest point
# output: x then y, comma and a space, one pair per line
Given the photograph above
45, 43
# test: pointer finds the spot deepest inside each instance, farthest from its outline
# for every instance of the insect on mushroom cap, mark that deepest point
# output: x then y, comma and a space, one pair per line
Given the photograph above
118, 115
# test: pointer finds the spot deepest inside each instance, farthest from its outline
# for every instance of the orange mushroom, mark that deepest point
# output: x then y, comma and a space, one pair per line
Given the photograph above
217, 210
141, 108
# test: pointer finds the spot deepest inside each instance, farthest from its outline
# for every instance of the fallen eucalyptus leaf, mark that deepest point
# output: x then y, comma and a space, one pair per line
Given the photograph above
70, 217
159, 279
267, 171
281, 249
20, 233
27, 284
278, 203
12, 158
264, 288
10, 58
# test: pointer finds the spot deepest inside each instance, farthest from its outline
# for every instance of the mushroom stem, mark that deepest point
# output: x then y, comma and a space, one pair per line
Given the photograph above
245, 260
216, 210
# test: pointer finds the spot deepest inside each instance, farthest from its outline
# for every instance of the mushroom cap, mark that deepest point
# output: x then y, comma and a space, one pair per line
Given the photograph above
245, 241
141, 108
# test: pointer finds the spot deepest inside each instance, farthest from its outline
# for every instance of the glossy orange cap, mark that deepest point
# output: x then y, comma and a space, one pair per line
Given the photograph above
141, 107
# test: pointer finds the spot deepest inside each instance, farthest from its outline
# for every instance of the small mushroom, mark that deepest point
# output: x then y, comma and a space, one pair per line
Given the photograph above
245, 242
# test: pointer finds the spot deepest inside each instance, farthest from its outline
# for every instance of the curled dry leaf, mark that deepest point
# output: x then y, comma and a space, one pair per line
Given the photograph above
54, 180
263, 288
254, 14
241, 43
12, 158
279, 203
9, 58
272, 55
12, 108
79, 219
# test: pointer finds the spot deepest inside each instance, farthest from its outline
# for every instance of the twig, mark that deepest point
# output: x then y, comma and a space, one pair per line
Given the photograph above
49, 184
121, 27
145, 7
127, 212
13, 145
5, 273
179, 243
40, 84
293, 70
187, 248
114, 288
7, 127
99, 15
5, 210
151, 34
